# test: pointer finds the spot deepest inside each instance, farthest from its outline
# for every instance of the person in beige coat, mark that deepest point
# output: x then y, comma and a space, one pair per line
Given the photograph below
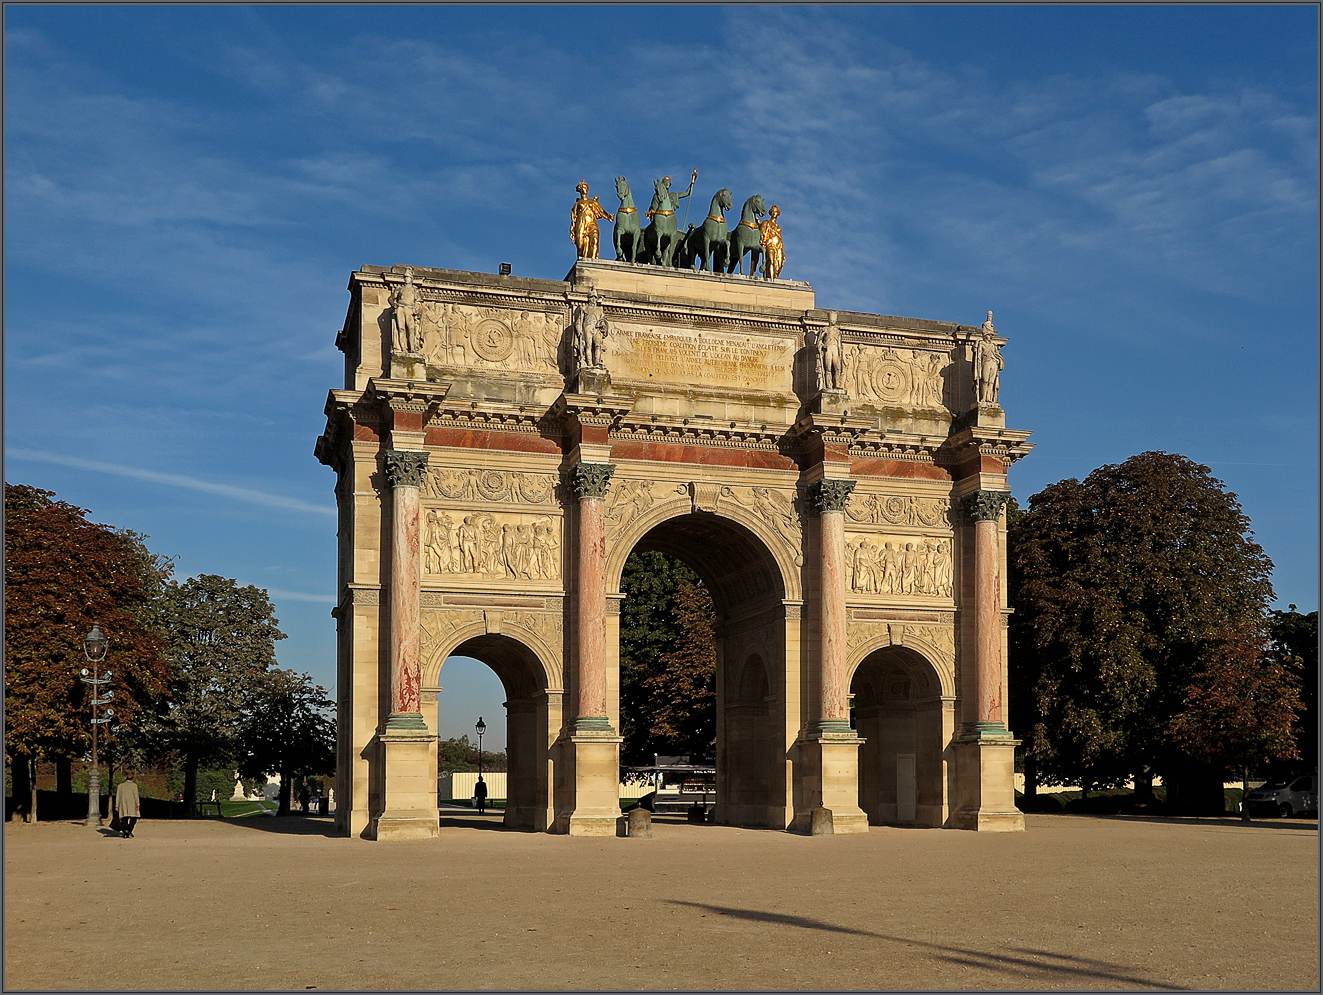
126, 803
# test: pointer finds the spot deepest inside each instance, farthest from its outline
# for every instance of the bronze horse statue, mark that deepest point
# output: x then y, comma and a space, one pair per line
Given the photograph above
627, 235
746, 237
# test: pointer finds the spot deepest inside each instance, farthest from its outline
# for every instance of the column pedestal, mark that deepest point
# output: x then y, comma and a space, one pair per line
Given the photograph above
831, 780
593, 778
411, 812
985, 785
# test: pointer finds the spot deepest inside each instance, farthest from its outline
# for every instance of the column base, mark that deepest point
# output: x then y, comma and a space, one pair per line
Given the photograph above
985, 782
830, 782
410, 812
592, 782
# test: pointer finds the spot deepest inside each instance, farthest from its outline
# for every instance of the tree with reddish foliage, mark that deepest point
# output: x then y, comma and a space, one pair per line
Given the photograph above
1241, 710
62, 575
1295, 643
1124, 587
682, 691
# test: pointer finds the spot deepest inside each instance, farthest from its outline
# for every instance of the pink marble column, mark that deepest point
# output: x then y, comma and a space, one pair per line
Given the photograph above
405, 471
590, 482
830, 498
984, 507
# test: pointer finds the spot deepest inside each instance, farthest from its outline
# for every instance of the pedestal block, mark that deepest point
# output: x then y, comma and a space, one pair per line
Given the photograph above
410, 812
831, 780
985, 786
594, 778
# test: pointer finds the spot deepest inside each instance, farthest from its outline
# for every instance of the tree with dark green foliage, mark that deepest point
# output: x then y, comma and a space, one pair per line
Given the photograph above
289, 730
462, 754
62, 575
1295, 638
1126, 588
648, 631
220, 641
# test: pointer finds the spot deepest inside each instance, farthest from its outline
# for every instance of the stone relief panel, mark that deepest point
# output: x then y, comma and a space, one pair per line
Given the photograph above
549, 626
437, 626
904, 565
489, 486
776, 509
486, 546
899, 509
627, 499
498, 338
903, 377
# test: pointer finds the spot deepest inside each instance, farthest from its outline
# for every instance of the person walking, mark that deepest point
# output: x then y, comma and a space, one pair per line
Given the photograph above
126, 803
304, 796
480, 795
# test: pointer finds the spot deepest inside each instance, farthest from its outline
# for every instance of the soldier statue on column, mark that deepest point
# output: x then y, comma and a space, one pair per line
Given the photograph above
988, 364
405, 326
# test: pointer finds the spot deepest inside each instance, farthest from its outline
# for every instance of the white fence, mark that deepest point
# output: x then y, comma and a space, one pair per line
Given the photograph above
458, 785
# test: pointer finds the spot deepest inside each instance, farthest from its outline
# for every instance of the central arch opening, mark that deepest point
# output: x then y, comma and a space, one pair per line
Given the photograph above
713, 567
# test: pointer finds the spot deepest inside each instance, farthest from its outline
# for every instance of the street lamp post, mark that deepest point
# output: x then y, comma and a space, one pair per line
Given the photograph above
481, 727
95, 645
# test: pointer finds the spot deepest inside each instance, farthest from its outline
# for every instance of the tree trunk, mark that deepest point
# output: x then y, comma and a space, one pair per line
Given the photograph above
63, 775
25, 787
1030, 778
1144, 788
286, 784
1244, 794
190, 782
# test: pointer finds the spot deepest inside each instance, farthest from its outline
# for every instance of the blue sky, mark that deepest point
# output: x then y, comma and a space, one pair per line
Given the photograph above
1131, 188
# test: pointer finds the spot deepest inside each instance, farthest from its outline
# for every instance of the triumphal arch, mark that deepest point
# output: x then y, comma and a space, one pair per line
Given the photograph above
838, 480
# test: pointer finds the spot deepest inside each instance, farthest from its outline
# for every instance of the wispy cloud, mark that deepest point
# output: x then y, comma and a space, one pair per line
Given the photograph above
172, 479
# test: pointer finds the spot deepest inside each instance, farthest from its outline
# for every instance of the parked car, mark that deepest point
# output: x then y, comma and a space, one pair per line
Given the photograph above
1285, 798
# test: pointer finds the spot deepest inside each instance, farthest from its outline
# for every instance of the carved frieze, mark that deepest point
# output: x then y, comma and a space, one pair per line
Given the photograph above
490, 546
904, 565
489, 486
463, 335
935, 642
437, 626
899, 509
776, 509
549, 626
900, 377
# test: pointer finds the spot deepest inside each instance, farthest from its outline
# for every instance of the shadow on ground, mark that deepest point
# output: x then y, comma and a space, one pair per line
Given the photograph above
1016, 960
286, 825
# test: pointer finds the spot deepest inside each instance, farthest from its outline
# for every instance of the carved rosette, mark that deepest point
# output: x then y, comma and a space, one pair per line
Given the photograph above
830, 495
590, 480
985, 506
406, 468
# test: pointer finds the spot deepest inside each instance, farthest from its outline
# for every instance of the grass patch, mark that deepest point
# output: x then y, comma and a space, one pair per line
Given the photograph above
241, 810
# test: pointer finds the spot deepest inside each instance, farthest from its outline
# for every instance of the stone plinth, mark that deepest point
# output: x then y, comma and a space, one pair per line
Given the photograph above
411, 812
663, 282
985, 786
593, 807
831, 772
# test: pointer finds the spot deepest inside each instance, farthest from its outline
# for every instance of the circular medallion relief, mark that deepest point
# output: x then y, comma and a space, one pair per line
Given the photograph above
891, 380
492, 340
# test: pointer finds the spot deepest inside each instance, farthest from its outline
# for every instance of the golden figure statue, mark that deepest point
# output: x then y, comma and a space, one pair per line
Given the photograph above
774, 250
584, 216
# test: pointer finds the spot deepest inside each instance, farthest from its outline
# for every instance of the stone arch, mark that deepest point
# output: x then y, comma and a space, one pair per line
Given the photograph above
748, 573
940, 658
627, 538
900, 709
530, 676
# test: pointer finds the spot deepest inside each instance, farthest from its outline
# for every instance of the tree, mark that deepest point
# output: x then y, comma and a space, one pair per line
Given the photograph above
648, 631
220, 642
1240, 710
62, 575
462, 754
682, 691
1295, 638
1125, 588
289, 730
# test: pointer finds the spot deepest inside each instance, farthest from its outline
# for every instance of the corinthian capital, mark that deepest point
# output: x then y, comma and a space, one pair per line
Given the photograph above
830, 495
590, 480
406, 468
985, 506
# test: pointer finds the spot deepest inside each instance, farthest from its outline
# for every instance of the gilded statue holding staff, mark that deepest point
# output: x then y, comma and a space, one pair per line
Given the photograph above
584, 215
774, 250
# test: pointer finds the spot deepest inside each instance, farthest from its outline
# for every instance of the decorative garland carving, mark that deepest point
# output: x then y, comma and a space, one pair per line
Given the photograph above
774, 508
899, 509
489, 486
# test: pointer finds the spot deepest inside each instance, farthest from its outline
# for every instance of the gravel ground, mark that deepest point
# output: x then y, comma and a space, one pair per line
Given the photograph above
1075, 902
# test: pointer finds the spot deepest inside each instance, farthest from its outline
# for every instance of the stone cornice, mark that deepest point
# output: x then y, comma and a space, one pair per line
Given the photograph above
699, 430
486, 416
1002, 444
596, 410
